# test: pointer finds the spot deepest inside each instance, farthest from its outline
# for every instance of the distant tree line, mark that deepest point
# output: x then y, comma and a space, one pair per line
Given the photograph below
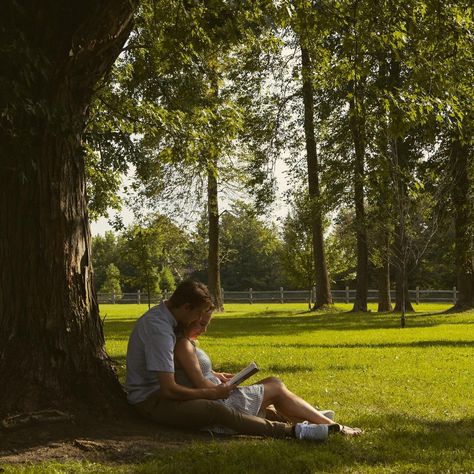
254, 253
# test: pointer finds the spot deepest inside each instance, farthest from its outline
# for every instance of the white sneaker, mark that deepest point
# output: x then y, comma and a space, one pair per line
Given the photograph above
328, 414
311, 431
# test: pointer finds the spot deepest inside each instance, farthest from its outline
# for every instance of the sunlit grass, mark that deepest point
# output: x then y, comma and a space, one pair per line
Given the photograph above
410, 389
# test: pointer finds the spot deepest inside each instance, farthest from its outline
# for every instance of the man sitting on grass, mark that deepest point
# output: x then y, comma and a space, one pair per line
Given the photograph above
154, 392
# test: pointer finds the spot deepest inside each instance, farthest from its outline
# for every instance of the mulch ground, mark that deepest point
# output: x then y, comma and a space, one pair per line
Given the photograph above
106, 441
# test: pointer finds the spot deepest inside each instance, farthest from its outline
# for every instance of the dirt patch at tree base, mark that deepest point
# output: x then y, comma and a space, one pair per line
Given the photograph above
125, 441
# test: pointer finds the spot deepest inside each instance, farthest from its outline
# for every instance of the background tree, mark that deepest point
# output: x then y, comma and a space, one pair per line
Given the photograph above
167, 281
186, 121
143, 254
104, 253
323, 292
297, 251
251, 248
111, 284
250, 251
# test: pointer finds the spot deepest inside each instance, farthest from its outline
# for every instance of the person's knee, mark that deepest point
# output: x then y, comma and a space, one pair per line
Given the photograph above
274, 390
277, 383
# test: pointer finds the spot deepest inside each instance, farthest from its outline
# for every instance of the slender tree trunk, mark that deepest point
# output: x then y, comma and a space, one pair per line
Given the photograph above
358, 136
383, 212
384, 298
51, 340
214, 281
400, 170
464, 225
323, 291
402, 297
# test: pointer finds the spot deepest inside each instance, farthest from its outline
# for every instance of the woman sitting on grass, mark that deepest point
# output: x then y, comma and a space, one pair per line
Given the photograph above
269, 398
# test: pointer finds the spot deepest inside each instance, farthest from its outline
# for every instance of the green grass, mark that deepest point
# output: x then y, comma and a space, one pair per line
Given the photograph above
411, 390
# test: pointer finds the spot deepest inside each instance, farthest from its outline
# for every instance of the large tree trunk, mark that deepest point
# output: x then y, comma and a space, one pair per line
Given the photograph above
214, 281
323, 291
51, 339
358, 135
464, 225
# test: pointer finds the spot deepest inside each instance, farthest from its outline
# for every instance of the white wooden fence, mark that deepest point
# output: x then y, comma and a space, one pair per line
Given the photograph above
286, 296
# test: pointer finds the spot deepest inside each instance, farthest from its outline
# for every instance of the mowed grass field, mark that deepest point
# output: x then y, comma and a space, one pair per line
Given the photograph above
411, 390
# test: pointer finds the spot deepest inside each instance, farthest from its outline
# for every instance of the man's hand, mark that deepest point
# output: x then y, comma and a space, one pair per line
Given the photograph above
222, 391
223, 376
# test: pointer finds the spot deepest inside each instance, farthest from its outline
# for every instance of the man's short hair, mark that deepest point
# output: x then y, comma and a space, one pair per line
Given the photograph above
192, 292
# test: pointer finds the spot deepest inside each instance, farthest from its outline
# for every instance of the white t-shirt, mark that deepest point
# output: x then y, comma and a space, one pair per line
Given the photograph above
150, 350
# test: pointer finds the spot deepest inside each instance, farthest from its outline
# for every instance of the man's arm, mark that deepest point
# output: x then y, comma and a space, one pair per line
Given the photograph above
170, 390
185, 356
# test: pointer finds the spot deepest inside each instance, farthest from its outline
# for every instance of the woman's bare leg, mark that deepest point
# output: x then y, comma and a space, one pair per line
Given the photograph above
288, 404
272, 414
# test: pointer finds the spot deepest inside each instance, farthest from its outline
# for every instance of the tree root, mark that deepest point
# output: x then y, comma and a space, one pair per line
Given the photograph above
35, 417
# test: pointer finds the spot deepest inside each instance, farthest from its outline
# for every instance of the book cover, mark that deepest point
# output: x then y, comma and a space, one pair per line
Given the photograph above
244, 374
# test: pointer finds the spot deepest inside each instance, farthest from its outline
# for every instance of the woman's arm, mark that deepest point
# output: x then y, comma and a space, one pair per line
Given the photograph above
185, 356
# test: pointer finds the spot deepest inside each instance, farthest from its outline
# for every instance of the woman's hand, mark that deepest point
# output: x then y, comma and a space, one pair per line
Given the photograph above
222, 391
223, 376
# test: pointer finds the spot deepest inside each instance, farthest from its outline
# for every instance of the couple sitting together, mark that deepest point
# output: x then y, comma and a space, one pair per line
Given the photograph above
171, 381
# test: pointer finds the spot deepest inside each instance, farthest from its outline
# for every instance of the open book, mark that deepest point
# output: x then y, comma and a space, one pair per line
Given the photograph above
244, 374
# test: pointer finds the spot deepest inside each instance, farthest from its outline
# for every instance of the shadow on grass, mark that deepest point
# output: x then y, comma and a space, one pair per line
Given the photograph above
392, 443
414, 344
273, 323
409, 440
290, 324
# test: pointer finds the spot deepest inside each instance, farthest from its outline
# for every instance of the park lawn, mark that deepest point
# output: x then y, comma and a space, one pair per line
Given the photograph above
411, 390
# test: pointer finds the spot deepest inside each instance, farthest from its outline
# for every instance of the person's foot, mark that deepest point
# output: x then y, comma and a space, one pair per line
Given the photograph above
348, 431
328, 414
311, 431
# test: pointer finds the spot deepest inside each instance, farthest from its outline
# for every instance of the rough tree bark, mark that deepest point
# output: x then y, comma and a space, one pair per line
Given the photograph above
51, 339
323, 291
463, 224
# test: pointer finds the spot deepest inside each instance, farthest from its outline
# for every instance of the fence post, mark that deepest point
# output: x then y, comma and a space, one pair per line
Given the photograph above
454, 295
310, 296
347, 294
282, 295
222, 295
113, 297
250, 296
139, 297
314, 294
417, 295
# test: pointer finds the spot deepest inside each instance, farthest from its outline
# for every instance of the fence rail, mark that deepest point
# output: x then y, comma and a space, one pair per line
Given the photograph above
281, 295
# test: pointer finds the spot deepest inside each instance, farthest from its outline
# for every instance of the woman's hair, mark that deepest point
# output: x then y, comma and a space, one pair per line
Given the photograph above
191, 292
